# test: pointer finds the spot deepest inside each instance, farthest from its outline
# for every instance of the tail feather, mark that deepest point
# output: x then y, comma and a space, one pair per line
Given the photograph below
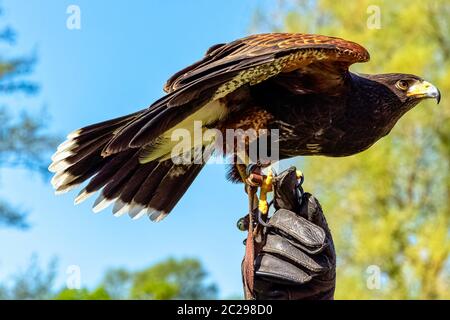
145, 193
107, 126
170, 191
120, 178
76, 156
81, 178
87, 144
151, 188
123, 136
134, 184
107, 172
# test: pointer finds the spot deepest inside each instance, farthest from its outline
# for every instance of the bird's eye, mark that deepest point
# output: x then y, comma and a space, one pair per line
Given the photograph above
402, 85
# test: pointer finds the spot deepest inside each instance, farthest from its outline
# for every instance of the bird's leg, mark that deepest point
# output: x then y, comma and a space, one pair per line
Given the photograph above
251, 186
251, 190
252, 177
242, 169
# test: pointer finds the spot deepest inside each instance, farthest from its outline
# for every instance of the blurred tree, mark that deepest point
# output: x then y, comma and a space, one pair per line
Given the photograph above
388, 206
33, 283
173, 279
23, 141
169, 279
117, 283
83, 294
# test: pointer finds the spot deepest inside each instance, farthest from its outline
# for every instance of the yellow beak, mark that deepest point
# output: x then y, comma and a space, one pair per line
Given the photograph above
425, 90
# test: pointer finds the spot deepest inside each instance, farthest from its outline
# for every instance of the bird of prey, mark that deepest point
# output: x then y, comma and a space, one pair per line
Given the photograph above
297, 83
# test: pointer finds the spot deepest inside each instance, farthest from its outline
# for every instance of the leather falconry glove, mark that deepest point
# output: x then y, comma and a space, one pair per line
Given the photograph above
297, 260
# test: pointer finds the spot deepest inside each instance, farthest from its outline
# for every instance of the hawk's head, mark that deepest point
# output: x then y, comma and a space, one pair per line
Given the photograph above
393, 94
408, 89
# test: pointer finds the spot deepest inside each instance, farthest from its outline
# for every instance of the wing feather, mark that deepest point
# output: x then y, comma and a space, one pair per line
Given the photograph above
225, 68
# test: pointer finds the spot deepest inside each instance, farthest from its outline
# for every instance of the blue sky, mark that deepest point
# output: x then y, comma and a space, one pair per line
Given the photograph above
116, 64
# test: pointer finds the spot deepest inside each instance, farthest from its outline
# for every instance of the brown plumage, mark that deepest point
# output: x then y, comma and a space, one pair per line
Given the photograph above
296, 83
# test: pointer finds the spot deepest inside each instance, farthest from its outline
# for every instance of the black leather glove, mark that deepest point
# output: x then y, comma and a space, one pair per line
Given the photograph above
297, 260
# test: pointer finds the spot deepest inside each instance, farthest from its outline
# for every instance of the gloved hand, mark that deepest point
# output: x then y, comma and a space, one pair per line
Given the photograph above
297, 260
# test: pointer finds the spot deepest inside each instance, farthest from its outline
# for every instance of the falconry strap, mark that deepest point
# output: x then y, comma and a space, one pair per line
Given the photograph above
260, 206
249, 258
254, 239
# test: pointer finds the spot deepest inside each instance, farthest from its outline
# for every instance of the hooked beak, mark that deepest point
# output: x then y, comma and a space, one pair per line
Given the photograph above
424, 90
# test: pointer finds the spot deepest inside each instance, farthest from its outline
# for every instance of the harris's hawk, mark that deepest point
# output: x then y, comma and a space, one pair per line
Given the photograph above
297, 83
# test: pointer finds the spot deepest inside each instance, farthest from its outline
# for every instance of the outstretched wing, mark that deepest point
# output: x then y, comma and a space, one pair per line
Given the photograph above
225, 68
276, 52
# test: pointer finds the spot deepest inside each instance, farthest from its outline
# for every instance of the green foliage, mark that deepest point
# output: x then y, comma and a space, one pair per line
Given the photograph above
169, 279
117, 283
388, 206
173, 279
99, 293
